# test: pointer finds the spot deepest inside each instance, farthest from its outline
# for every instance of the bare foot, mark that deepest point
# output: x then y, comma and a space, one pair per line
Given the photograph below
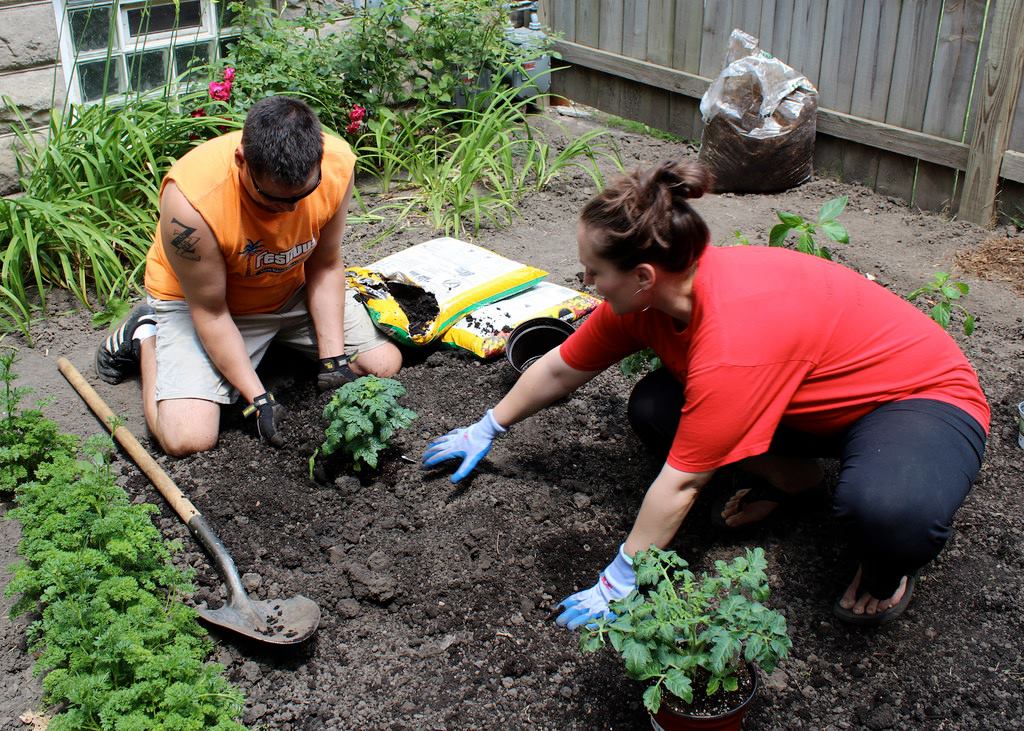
865, 603
737, 513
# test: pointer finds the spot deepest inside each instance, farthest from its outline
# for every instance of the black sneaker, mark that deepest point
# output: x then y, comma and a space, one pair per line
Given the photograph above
118, 355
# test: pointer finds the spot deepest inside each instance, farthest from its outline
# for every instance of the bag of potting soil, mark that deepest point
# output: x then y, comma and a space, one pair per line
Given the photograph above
415, 295
760, 118
484, 332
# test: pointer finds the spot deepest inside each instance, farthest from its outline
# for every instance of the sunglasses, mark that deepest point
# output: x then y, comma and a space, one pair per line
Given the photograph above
287, 198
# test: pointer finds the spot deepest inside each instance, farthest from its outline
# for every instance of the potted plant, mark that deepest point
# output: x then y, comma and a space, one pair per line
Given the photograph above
695, 640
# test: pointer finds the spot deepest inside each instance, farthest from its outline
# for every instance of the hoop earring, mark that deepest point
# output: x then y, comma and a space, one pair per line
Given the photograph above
648, 304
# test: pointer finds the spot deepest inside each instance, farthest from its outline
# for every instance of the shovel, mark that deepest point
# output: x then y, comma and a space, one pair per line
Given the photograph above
278, 622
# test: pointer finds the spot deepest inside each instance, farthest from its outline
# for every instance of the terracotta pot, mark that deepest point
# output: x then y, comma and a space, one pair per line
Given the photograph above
668, 720
533, 338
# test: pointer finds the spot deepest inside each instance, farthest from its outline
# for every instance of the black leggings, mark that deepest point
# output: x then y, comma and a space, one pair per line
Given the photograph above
905, 469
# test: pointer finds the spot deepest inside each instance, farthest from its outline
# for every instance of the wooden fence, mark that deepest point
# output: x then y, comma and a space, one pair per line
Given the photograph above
919, 99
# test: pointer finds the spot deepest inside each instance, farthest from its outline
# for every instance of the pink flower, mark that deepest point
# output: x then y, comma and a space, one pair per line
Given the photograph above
198, 112
229, 74
353, 127
358, 113
220, 90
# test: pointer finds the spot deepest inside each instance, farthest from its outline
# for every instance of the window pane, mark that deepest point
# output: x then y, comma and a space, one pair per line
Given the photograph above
191, 59
90, 28
227, 17
162, 18
99, 78
147, 70
226, 44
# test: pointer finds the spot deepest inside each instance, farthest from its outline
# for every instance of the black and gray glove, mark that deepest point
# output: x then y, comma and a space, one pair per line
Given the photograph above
268, 413
335, 372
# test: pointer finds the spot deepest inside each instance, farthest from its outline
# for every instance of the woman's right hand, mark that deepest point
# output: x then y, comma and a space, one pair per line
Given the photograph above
471, 444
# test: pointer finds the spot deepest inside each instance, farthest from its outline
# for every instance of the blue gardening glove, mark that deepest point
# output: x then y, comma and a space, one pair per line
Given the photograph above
471, 443
615, 582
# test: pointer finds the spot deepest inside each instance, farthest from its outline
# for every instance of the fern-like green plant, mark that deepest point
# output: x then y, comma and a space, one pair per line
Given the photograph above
362, 417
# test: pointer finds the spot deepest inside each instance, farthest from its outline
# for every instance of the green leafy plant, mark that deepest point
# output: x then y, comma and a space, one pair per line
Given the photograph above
362, 417
944, 294
27, 438
740, 239
686, 634
91, 187
462, 171
114, 311
807, 231
639, 362
118, 648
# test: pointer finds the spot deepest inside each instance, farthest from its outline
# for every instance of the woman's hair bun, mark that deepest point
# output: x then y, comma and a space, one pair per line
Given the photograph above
683, 179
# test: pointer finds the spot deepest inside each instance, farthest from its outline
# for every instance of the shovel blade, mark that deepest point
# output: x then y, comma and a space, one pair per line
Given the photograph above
277, 621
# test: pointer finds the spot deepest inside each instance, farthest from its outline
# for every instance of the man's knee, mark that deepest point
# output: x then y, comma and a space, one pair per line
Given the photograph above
183, 445
383, 361
187, 426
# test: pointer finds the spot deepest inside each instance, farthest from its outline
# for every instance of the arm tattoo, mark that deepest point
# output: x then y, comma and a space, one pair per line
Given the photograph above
184, 242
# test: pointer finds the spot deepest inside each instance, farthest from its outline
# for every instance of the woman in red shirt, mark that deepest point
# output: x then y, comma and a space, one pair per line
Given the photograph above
770, 357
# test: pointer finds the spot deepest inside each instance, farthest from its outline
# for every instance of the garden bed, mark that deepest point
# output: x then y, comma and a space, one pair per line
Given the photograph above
435, 602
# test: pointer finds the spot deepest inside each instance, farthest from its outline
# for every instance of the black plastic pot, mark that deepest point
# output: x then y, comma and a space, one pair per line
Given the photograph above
533, 338
667, 719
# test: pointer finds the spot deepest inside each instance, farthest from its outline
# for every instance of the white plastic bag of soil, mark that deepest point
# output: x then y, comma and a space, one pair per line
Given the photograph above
760, 118
484, 332
415, 295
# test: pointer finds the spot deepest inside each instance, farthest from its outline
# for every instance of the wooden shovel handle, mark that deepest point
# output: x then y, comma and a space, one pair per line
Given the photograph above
181, 504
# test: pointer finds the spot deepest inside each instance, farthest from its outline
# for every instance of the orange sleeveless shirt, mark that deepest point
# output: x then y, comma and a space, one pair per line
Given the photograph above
263, 251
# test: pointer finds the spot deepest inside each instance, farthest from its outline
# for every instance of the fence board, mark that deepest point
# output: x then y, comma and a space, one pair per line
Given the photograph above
956, 53
1017, 134
684, 116
689, 30
915, 48
609, 93
997, 83
660, 24
778, 44
717, 27
842, 36
588, 22
634, 28
806, 38
766, 30
746, 15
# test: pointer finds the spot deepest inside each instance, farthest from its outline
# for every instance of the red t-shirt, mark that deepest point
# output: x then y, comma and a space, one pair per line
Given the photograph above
777, 336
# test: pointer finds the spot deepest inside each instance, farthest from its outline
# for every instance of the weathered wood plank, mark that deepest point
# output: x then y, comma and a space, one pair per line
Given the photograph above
839, 53
610, 26
746, 15
1017, 134
681, 82
565, 18
766, 31
953, 68
806, 38
875, 53
997, 87
588, 23
778, 44
689, 31
634, 28
661, 21
949, 94
1013, 166
717, 27
915, 47
684, 117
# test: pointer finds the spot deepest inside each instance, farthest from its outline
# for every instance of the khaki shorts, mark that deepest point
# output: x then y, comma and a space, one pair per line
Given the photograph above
184, 370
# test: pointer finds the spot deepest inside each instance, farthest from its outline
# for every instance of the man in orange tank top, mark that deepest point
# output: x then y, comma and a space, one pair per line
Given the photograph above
247, 251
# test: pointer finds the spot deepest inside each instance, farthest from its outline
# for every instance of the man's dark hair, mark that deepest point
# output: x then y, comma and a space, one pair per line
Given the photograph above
282, 139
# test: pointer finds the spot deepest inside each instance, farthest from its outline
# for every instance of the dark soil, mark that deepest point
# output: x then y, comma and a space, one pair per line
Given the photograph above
436, 601
419, 306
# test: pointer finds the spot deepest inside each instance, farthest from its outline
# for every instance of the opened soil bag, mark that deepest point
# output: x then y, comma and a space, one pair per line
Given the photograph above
484, 332
415, 295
